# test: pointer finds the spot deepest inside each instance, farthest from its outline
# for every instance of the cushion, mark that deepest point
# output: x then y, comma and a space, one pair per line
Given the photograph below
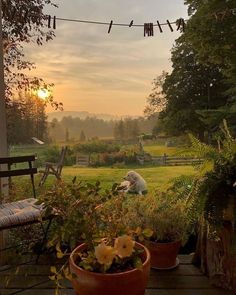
20, 213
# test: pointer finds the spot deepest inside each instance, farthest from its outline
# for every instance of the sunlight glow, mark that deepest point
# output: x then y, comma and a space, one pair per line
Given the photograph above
43, 93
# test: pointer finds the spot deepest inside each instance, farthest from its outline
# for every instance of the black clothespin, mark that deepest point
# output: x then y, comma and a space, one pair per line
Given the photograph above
160, 28
180, 23
170, 26
131, 23
49, 21
110, 26
54, 22
148, 29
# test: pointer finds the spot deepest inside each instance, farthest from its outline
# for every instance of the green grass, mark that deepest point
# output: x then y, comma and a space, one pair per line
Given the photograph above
156, 177
160, 150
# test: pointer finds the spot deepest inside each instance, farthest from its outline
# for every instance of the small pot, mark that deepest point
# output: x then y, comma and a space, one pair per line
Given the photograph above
132, 282
163, 255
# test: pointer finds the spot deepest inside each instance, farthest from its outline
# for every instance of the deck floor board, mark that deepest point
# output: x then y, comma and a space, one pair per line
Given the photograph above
186, 279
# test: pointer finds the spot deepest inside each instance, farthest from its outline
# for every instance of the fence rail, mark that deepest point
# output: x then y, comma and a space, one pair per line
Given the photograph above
168, 160
175, 161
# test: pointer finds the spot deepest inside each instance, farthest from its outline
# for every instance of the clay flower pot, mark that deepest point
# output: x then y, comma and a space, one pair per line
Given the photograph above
132, 282
163, 255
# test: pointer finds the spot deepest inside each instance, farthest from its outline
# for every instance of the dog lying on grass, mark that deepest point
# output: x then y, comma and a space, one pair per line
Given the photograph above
133, 183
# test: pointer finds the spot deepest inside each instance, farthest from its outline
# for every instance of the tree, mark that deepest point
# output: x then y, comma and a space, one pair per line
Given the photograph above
27, 111
82, 137
156, 101
211, 32
190, 88
119, 130
23, 22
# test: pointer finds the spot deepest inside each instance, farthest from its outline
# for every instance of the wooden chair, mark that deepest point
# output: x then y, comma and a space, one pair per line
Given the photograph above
54, 168
6, 165
26, 211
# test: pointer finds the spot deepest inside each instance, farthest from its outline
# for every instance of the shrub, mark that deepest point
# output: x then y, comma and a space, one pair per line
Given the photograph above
96, 147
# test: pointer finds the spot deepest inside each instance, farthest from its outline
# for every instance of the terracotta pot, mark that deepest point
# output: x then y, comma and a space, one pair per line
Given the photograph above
163, 255
132, 282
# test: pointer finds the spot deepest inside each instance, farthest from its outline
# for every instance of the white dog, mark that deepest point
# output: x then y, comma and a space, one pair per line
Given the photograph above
134, 183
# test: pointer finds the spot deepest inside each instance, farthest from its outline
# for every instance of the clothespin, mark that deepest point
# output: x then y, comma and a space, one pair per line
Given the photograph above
148, 29
54, 22
110, 26
131, 23
180, 23
49, 21
160, 28
170, 26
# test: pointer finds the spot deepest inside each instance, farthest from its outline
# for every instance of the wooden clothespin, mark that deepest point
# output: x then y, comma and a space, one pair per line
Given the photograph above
131, 23
159, 26
49, 21
54, 22
110, 26
180, 23
148, 29
170, 26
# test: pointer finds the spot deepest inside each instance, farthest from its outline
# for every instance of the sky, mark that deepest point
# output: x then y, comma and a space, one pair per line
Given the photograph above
106, 73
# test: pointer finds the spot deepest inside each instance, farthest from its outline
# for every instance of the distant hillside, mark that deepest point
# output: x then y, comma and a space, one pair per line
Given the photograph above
81, 115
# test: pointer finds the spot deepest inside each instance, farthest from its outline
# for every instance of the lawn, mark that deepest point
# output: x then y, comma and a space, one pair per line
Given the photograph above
160, 150
156, 177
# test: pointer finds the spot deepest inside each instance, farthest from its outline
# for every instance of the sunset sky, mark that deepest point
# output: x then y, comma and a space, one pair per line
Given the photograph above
106, 73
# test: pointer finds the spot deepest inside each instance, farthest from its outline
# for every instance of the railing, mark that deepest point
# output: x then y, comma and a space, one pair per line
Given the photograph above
168, 160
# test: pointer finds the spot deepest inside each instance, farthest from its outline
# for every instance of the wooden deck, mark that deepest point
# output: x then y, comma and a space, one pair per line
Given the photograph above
186, 279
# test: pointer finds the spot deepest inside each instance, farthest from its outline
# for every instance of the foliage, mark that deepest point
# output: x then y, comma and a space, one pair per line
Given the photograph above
95, 127
125, 156
96, 147
190, 88
52, 154
27, 111
200, 91
23, 22
215, 184
165, 214
156, 100
213, 24
127, 129
84, 214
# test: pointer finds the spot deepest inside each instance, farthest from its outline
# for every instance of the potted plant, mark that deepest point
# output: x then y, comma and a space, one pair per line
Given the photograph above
215, 187
168, 218
103, 256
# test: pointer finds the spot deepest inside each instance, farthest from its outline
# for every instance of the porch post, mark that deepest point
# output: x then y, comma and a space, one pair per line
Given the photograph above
3, 125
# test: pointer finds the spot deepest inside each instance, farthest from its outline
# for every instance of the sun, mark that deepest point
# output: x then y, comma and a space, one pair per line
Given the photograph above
43, 93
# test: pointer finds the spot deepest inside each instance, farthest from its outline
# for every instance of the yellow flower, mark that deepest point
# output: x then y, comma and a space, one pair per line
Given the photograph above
124, 246
105, 254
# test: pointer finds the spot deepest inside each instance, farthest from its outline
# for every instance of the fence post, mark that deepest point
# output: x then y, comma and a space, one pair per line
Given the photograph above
164, 159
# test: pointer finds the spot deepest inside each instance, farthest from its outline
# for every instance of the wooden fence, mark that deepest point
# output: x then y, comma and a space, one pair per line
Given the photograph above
168, 160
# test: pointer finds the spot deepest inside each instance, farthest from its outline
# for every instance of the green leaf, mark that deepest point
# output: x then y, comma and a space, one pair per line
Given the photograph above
53, 269
147, 233
138, 263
